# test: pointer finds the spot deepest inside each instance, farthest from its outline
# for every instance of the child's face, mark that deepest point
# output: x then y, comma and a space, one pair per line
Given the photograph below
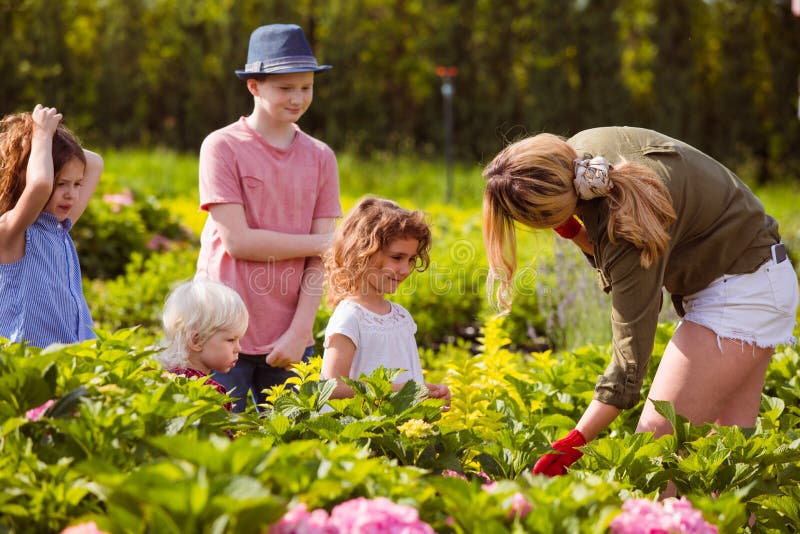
219, 353
285, 97
392, 265
66, 189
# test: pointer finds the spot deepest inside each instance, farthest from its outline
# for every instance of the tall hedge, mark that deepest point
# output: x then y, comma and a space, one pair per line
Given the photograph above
722, 75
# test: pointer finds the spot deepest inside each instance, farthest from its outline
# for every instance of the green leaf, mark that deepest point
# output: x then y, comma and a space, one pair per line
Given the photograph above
291, 406
11, 424
243, 488
358, 429
175, 425
666, 410
411, 394
279, 424
556, 421
15, 510
325, 388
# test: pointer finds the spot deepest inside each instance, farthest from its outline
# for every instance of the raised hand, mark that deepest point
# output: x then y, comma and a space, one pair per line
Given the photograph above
45, 120
439, 391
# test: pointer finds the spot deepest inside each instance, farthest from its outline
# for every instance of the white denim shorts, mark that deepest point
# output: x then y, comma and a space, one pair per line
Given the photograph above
758, 308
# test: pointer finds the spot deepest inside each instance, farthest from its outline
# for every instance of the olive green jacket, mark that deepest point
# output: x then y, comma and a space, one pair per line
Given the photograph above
721, 228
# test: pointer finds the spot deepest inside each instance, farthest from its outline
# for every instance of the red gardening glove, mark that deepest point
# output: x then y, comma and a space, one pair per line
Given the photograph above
569, 229
556, 464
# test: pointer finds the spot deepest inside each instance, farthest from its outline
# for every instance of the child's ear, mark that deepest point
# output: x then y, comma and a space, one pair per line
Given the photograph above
194, 342
252, 86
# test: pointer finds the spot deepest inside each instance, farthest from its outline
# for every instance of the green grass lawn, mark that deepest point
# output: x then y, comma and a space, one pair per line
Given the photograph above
419, 183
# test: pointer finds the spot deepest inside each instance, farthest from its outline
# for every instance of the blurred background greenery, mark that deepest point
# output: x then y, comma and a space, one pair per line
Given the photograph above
144, 81
721, 75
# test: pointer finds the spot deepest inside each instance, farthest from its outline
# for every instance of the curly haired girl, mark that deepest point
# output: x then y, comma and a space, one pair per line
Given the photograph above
375, 249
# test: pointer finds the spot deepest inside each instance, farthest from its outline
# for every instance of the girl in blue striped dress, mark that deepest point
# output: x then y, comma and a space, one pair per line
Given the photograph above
46, 181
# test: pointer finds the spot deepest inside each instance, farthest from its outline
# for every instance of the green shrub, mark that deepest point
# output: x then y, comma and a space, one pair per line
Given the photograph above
107, 401
136, 298
109, 234
780, 201
136, 449
159, 172
106, 239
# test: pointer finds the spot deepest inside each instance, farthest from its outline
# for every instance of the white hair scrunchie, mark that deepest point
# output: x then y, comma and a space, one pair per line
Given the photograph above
591, 177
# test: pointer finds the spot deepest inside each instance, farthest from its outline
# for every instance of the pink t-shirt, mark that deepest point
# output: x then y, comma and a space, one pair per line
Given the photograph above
280, 190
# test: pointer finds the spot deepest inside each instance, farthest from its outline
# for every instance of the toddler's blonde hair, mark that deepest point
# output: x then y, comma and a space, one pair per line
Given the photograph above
198, 308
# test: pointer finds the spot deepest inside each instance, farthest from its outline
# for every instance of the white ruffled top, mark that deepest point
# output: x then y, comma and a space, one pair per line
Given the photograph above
386, 340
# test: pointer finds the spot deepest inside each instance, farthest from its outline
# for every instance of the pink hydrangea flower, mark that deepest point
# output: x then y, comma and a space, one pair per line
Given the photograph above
643, 516
453, 474
486, 477
520, 505
159, 243
356, 516
377, 516
34, 414
299, 520
83, 528
490, 484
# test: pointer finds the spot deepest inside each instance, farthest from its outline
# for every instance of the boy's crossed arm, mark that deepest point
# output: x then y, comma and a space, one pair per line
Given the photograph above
254, 244
291, 345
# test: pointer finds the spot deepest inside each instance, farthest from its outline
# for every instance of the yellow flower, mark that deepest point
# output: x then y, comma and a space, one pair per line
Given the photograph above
416, 428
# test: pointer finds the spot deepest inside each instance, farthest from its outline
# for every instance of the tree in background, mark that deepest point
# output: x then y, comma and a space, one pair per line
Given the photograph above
722, 75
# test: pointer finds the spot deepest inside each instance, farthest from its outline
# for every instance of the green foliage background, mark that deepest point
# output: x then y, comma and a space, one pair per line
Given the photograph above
721, 75
138, 450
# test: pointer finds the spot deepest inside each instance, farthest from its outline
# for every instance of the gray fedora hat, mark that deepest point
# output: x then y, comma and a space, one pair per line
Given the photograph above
279, 49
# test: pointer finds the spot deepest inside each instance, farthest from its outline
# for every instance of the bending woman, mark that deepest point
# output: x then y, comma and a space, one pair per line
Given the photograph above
655, 213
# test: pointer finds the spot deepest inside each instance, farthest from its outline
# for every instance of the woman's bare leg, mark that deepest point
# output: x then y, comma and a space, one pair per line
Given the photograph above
704, 383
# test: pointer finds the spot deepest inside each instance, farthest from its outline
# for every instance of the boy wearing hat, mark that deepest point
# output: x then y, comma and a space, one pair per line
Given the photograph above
272, 193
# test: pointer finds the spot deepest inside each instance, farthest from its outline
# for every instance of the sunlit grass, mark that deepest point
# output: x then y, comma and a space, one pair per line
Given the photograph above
409, 180
161, 172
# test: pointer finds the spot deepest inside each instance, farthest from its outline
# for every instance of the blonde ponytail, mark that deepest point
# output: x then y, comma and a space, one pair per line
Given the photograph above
641, 210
